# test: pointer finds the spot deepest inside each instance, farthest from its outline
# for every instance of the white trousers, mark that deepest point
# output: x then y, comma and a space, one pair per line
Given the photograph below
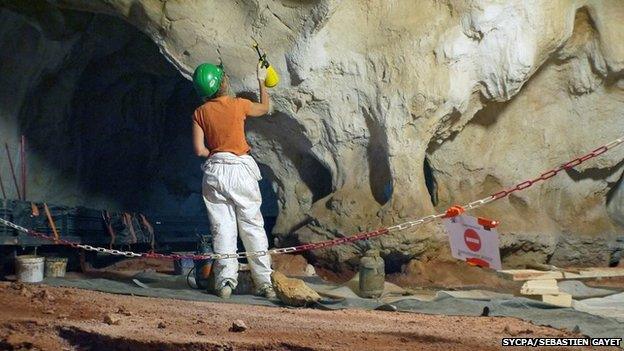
232, 197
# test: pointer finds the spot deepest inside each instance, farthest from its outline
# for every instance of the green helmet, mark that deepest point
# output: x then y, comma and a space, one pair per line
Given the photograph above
207, 79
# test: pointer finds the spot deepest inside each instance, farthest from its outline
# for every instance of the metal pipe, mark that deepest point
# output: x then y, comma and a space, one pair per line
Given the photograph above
6, 146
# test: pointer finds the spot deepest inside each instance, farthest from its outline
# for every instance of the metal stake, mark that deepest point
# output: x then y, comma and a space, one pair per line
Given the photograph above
6, 146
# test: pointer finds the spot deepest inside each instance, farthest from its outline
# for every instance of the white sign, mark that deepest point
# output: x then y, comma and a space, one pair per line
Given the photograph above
471, 242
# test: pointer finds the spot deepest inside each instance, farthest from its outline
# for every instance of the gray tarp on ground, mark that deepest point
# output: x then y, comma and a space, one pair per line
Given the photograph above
530, 310
445, 303
579, 290
610, 306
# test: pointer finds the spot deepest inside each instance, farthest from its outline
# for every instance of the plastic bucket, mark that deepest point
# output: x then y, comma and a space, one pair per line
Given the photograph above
29, 268
55, 266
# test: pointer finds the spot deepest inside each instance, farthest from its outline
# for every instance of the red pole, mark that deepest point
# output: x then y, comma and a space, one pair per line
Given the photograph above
6, 146
23, 160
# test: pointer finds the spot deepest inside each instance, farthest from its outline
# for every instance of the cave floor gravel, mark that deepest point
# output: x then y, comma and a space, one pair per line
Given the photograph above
40, 317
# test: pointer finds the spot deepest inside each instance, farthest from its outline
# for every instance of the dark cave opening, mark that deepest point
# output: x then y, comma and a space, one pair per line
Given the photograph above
107, 112
121, 120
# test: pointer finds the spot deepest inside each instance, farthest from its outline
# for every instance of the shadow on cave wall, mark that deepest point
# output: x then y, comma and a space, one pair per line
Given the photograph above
268, 191
294, 144
380, 175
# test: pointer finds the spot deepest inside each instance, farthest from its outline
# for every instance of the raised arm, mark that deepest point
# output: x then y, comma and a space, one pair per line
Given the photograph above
262, 108
198, 141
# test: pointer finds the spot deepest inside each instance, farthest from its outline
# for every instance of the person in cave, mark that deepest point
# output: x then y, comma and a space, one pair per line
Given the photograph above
230, 184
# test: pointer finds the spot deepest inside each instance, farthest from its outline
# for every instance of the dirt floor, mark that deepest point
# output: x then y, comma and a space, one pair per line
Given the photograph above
450, 274
607, 283
39, 317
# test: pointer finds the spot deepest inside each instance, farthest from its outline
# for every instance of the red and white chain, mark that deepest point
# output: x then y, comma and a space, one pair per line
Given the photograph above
338, 241
69, 243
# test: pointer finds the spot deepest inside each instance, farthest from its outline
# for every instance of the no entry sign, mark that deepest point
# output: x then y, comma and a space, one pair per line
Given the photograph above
470, 241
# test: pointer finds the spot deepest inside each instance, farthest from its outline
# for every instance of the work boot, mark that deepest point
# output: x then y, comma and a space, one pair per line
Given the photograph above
267, 291
225, 292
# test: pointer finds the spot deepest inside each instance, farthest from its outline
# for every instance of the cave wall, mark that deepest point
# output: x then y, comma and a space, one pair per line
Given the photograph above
572, 104
488, 93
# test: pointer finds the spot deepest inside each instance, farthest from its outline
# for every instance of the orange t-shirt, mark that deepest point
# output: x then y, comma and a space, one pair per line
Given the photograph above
223, 122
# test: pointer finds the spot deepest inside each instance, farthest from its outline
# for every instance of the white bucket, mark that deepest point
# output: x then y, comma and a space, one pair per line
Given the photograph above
29, 268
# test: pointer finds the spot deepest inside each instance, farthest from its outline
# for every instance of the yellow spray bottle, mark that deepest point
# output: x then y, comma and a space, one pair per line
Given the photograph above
272, 77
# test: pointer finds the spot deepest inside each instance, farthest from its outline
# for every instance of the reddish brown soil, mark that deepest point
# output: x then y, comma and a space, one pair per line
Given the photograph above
335, 277
141, 264
608, 282
451, 274
37, 317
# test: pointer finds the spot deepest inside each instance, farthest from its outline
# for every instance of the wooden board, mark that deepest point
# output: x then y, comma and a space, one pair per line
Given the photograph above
601, 272
561, 300
580, 273
529, 274
540, 287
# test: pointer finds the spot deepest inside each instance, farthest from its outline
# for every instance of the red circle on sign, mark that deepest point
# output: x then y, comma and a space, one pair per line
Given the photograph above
472, 240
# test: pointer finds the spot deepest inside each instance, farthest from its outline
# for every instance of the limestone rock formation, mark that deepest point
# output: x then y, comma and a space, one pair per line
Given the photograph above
391, 110
292, 291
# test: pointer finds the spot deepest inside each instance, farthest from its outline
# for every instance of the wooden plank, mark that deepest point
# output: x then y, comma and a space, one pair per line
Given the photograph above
571, 275
600, 272
540, 287
51, 221
529, 274
561, 300
594, 272
578, 273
